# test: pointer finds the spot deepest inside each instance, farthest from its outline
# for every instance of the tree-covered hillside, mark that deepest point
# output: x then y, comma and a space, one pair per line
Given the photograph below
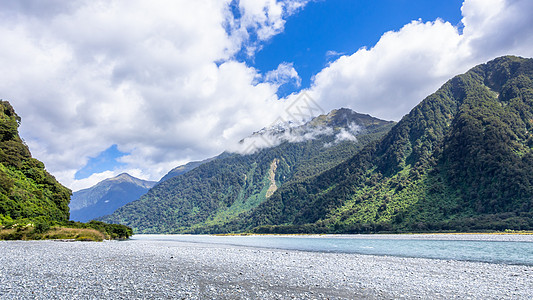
222, 190
33, 205
27, 190
180, 170
460, 160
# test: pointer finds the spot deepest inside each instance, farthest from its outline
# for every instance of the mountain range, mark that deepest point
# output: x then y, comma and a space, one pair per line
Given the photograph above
460, 160
220, 191
110, 194
105, 197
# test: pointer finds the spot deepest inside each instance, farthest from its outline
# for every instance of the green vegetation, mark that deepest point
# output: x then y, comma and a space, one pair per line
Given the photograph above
33, 205
40, 229
26, 189
214, 196
461, 160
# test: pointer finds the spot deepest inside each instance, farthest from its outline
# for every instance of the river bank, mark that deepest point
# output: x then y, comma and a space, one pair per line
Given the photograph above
169, 269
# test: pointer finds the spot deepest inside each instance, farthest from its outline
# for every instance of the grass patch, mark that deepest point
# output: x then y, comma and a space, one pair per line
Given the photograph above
54, 233
78, 234
40, 230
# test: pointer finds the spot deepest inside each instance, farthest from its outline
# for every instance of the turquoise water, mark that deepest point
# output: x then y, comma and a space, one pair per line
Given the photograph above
506, 252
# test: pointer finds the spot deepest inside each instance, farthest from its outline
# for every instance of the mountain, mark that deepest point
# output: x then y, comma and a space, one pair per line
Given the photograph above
106, 196
110, 194
27, 190
179, 170
461, 160
221, 191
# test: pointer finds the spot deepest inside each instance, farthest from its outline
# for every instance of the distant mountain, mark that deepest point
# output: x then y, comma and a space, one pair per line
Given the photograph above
27, 190
184, 169
105, 197
461, 160
216, 193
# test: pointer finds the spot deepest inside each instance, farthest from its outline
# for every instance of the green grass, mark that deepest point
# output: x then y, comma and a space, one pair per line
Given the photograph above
42, 230
54, 233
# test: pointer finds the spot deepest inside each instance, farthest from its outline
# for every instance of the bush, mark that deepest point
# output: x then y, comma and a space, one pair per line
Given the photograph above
41, 226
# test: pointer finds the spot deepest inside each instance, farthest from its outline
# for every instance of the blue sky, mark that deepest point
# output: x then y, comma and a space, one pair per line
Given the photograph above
342, 27
315, 36
143, 86
105, 161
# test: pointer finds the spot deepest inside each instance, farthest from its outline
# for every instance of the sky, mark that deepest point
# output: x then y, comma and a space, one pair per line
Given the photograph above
142, 86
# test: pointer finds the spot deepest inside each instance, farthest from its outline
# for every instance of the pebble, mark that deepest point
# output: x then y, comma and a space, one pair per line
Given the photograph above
139, 269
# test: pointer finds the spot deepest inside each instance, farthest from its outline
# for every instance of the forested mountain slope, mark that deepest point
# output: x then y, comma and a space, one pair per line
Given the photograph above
460, 160
220, 191
180, 170
27, 190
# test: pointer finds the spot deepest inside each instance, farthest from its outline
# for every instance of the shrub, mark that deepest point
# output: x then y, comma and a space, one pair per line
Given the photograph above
41, 226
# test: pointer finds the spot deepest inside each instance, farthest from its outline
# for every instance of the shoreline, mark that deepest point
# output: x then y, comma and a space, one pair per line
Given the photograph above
369, 234
467, 236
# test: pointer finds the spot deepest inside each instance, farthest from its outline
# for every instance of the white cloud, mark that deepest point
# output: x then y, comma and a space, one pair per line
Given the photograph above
285, 73
332, 54
345, 135
284, 131
293, 132
498, 27
263, 19
156, 78
159, 80
405, 66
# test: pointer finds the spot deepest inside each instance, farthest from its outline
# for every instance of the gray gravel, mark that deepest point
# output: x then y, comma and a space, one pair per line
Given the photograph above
177, 270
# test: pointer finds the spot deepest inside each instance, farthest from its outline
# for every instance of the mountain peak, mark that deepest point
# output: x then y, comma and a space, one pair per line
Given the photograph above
345, 117
106, 196
179, 170
341, 124
123, 176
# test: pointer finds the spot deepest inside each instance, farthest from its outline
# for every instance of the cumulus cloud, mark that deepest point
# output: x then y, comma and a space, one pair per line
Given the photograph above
261, 20
156, 78
159, 79
405, 66
285, 73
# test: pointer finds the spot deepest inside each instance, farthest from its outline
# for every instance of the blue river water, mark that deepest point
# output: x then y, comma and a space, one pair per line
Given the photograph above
481, 250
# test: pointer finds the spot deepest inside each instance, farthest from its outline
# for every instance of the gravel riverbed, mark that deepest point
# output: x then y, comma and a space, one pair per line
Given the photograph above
178, 270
